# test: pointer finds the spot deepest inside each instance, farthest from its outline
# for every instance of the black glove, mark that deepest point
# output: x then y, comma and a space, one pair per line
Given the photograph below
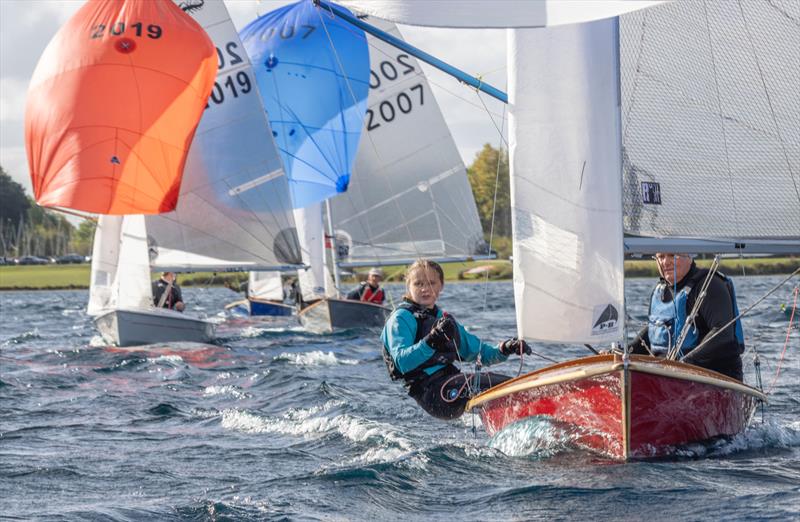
444, 336
514, 345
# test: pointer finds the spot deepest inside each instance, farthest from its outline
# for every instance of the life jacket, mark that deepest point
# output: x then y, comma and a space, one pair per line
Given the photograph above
426, 318
666, 320
372, 296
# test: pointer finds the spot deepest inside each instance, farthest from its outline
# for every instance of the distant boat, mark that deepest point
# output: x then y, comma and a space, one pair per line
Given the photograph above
265, 297
232, 213
683, 119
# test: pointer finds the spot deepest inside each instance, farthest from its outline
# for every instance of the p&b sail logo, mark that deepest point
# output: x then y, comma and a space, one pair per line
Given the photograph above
605, 318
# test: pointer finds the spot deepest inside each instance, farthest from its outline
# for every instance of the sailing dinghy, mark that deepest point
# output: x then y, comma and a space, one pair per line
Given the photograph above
569, 215
232, 213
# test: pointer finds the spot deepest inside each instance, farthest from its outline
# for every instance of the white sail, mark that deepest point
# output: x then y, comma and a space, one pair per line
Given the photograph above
711, 125
120, 265
234, 209
495, 13
265, 285
315, 282
565, 182
409, 196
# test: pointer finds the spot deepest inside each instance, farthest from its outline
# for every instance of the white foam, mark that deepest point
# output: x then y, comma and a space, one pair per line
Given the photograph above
174, 359
233, 391
315, 358
311, 424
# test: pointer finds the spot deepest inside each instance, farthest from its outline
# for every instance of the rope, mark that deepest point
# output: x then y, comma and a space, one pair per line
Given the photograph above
690, 321
745, 311
786, 342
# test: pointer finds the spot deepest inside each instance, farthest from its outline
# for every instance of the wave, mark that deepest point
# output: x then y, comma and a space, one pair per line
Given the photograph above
385, 443
315, 358
233, 391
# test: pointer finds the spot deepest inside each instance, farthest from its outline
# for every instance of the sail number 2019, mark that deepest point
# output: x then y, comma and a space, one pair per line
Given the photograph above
233, 84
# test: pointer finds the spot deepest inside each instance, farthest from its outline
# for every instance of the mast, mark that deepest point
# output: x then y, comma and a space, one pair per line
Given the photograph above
332, 239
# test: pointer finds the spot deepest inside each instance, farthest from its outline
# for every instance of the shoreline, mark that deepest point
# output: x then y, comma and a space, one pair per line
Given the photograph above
76, 277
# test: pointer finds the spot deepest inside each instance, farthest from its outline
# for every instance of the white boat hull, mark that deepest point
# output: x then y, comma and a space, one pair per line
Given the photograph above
136, 327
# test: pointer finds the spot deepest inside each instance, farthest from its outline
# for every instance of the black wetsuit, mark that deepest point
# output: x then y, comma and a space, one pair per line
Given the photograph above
159, 287
723, 353
434, 381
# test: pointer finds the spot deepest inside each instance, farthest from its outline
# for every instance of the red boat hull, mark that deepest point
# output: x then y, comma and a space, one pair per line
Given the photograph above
635, 410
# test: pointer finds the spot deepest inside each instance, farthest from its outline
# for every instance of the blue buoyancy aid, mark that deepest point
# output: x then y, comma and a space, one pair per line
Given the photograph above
669, 315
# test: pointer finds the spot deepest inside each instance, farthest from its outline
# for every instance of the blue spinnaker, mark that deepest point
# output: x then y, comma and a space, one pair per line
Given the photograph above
312, 71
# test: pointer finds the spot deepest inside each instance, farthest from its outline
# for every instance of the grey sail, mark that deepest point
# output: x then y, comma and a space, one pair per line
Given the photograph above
711, 126
409, 195
234, 209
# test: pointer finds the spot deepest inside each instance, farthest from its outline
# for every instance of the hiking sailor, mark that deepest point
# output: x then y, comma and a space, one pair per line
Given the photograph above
671, 305
421, 343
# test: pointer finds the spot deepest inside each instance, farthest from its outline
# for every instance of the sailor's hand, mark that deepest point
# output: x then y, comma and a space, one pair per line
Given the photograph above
442, 335
515, 346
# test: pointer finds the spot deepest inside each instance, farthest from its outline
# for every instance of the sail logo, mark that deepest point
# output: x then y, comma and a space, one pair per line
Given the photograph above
605, 319
651, 193
190, 6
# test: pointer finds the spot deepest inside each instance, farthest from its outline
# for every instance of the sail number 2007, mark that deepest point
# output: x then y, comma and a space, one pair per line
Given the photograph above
387, 109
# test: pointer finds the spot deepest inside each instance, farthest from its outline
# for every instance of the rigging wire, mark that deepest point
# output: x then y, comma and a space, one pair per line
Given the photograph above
786, 342
745, 311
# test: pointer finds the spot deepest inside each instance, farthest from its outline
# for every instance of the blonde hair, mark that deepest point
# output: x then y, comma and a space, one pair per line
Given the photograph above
424, 265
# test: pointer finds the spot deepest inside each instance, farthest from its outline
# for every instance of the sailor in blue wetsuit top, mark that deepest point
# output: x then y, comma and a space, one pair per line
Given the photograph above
671, 305
421, 344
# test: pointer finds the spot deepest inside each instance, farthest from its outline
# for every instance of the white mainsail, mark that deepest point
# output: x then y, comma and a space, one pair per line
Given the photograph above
409, 196
496, 13
711, 124
316, 281
120, 265
564, 126
265, 285
234, 208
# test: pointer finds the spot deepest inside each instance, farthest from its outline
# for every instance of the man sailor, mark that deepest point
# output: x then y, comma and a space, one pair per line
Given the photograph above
167, 293
370, 290
671, 305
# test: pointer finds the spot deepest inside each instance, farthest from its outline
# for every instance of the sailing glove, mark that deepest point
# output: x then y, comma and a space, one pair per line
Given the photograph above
514, 345
444, 335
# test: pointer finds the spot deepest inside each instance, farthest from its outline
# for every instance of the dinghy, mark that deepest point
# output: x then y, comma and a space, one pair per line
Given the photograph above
587, 187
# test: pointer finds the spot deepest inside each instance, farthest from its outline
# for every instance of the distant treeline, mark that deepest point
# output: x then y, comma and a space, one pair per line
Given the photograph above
26, 229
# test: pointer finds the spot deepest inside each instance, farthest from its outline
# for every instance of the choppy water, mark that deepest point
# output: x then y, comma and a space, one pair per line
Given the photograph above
274, 423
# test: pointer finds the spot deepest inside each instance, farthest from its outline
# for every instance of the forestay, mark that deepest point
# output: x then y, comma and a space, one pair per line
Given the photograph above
409, 195
564, 127
234, 209
120, 266
711, 120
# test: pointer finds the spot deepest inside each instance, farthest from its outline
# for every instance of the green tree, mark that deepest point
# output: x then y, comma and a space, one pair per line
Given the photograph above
490, 170
13, 201
82, 238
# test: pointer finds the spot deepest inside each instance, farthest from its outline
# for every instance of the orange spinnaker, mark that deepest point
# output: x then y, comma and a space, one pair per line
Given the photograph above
113, 105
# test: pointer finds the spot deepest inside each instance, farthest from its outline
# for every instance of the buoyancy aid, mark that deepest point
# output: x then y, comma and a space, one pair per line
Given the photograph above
372, 296
426, 318
668, 314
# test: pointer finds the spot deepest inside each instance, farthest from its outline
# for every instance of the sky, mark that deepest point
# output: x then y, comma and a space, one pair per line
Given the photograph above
26, 27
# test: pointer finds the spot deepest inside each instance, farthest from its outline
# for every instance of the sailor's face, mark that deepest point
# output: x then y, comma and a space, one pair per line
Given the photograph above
424, 287
673, 267
374, 280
